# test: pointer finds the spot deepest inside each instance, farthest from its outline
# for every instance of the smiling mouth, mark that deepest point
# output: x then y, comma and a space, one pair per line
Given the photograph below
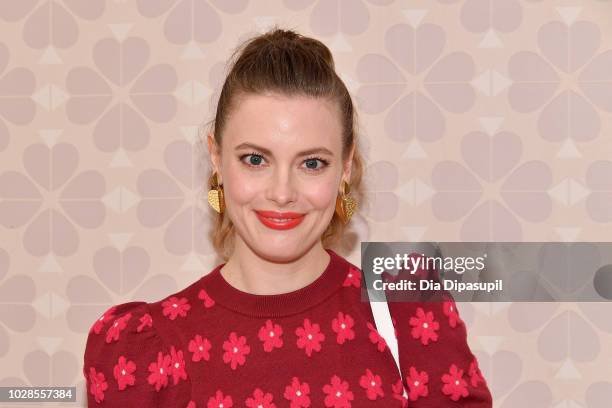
280, 221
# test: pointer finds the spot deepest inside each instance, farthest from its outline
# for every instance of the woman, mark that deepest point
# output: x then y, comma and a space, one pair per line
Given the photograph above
281, 322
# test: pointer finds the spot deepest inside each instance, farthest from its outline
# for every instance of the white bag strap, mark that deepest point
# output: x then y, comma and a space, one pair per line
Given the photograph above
382, 316
381, 313
385, 328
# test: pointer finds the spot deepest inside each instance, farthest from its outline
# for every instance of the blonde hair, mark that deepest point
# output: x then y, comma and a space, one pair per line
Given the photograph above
284, 62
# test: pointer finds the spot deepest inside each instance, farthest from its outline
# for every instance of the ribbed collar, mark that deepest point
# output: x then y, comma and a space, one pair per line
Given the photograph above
283, 304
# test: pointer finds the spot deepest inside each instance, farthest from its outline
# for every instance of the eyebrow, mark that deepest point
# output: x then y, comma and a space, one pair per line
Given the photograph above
268, 152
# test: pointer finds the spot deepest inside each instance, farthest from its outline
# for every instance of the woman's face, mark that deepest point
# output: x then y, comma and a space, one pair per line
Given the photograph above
280, 154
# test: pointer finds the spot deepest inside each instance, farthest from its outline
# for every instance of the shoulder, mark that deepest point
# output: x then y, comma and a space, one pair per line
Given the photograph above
116, 320
126, 358
351, 272
120, 331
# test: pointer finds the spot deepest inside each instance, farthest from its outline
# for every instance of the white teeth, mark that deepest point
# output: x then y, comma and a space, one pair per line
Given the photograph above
280, 219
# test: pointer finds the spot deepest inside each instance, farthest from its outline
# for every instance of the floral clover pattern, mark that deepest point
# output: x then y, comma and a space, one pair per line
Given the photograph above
328, 18
412, 51
19, 293
17, 86
188, 20
61, 31
51, 170
459, 192
119, 64
163, 194
573, 62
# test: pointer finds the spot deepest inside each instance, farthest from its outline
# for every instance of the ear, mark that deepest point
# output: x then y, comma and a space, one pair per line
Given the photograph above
346, 174
214, 154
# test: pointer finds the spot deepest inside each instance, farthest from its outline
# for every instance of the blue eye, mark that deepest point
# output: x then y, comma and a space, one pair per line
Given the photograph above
314, 160
254, 160
325, 163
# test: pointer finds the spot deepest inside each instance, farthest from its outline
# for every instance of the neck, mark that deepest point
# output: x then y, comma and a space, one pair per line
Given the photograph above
251, 273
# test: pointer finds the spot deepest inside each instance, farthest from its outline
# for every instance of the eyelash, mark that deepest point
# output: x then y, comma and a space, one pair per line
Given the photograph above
325, 162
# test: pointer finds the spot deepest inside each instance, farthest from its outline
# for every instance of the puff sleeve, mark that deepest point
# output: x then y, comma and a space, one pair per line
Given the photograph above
437, 366
127, 362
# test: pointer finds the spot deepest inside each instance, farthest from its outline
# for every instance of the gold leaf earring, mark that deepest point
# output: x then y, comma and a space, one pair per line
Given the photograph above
215, 194
346, 205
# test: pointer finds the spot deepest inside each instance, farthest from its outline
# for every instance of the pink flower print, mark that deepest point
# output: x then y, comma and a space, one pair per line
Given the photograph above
175, 307
116, 328
199, 347
338, 393
298, 394
159, 371
376, 338
106, 317
270, 335
177, 365
424, 326
220, 401
208, 301
474, 373
353, 277
417, 384
398, 393
191, 404
123, 372
450, 310
309, 337
372, 384
235, 350
342, 325
145, 321
454, 384
97, 384
260, 400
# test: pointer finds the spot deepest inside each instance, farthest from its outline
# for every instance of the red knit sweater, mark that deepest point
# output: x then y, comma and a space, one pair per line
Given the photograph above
211, 345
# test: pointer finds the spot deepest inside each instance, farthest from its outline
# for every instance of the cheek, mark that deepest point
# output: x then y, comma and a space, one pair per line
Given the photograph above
238, 187
322, 195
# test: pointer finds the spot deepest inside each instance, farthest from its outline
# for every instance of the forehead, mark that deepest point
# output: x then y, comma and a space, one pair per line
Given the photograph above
284, 122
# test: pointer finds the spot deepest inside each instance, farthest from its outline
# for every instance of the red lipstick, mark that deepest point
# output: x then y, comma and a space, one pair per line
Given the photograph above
280, 220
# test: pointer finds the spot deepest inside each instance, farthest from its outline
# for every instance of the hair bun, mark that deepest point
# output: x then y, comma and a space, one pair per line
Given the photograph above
289, 39
279, 33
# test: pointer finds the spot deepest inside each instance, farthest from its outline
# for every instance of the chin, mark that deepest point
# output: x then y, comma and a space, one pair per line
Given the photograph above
279, 254
280, 246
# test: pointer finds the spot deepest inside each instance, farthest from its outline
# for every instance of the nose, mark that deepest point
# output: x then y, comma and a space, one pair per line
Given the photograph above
282, 188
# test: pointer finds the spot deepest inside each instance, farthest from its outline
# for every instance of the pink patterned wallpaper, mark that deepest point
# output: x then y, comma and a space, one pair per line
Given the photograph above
481, 120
